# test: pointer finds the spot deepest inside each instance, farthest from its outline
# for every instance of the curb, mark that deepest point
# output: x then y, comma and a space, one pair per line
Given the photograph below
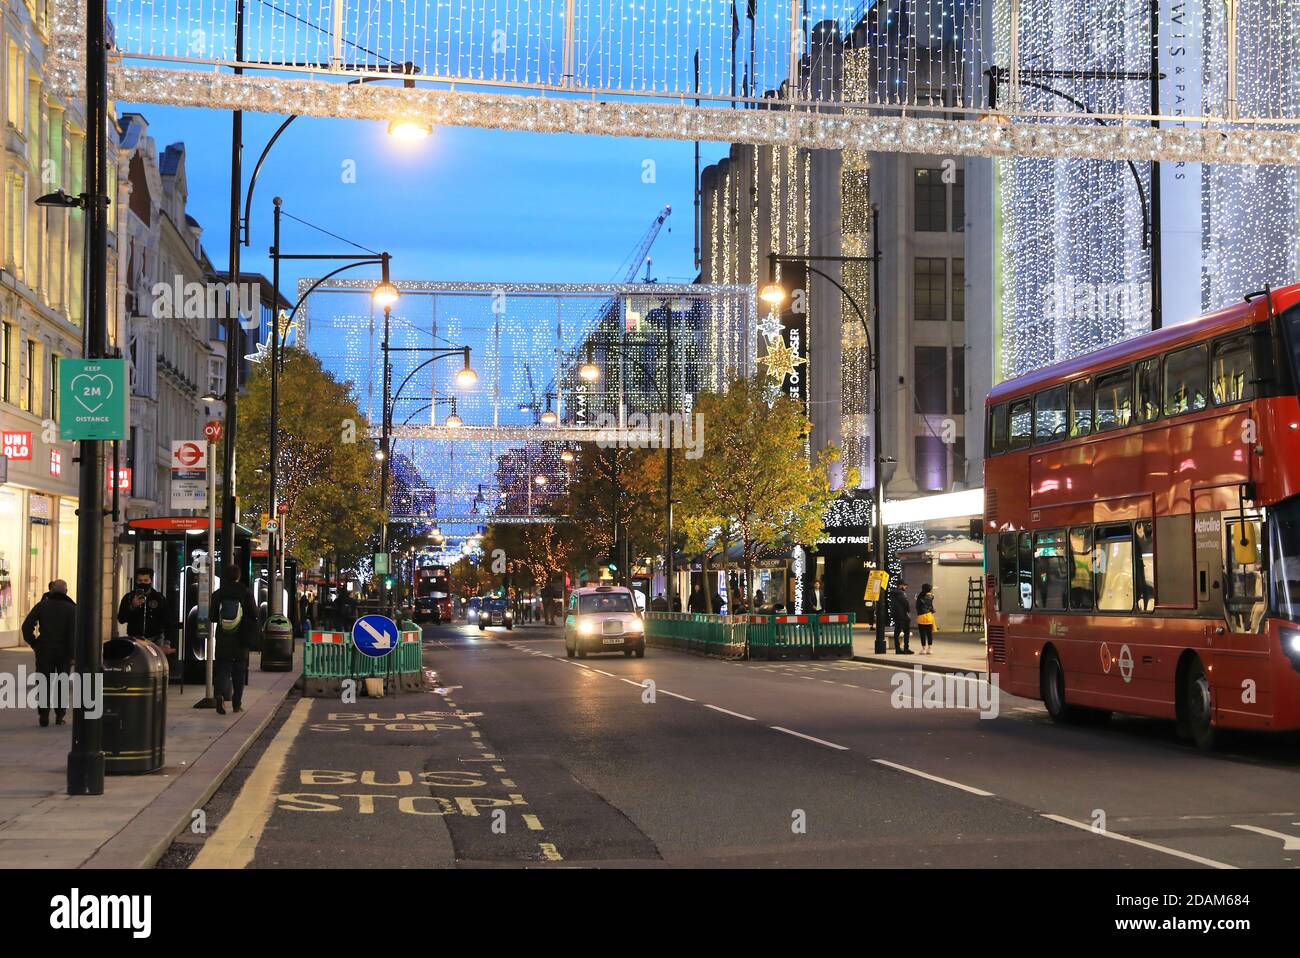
924, 666
126, 849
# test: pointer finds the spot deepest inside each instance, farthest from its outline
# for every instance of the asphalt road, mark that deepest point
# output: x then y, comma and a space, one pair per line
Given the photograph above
525, 757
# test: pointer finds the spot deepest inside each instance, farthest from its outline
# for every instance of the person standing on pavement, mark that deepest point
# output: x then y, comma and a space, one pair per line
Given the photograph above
236, 635
50, 629
696, 601
925, 618
900, 610
146, 613
817, 596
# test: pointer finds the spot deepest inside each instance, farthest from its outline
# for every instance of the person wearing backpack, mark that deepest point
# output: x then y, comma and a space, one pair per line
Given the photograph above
232, 606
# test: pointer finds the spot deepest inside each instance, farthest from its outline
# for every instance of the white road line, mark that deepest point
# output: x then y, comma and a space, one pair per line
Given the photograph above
684, 698
1290, 843
717, 708
934, 778
603, 672
1137, 841
819, 741
850, 685
829, 681
631, 682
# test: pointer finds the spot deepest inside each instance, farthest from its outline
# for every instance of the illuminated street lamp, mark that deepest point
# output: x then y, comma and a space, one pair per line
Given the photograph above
385, 294
589, 372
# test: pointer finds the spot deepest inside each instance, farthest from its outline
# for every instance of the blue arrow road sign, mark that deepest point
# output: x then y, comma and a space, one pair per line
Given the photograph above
375, 635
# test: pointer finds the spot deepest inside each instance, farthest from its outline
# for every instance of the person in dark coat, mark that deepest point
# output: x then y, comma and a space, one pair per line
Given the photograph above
925, 618
146, 613
696, 601
234, 638
50, 629
900, 610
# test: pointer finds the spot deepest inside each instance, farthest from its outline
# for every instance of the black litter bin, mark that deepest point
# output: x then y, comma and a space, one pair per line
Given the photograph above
135, 706
277, 644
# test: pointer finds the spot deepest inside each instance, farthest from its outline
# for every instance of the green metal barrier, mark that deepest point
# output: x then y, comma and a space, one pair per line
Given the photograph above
330, 657
752, 636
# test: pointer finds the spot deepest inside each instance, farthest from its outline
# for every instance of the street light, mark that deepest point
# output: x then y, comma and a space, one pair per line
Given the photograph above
589, 372
466, 378
540, 480
385, 295
774, 293
409, 129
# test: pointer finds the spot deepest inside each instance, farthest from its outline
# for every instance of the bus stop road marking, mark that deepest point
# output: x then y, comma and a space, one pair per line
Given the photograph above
1290, 843
1188, 856
234, 843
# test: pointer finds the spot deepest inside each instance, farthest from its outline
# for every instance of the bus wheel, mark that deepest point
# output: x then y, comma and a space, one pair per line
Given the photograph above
1052, 688
1198, 706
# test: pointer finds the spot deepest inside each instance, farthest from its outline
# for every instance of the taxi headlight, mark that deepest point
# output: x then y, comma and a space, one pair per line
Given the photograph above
586, 627
636, 626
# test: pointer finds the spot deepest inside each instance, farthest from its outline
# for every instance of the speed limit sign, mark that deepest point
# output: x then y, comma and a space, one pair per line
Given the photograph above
213, 430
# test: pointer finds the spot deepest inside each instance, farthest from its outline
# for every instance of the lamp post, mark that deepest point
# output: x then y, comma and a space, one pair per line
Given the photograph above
466, 377
774, 294
590, 372
385, 294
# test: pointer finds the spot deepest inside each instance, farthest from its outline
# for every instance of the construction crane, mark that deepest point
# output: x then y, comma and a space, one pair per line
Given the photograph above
627, 270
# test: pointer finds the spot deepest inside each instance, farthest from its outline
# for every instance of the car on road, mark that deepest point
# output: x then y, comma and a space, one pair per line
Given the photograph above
603, 618
472, 608
495, 610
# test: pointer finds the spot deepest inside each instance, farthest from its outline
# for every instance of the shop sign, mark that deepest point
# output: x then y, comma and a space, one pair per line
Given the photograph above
16, 445
123, 480
56, 462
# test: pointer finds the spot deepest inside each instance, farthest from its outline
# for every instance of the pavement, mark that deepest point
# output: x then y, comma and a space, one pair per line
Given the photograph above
953, 651
134, 821
522, 757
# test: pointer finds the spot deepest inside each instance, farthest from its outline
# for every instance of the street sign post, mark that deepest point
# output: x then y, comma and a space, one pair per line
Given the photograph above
877, 582
381, 563
375, 635
93, 399
189, 474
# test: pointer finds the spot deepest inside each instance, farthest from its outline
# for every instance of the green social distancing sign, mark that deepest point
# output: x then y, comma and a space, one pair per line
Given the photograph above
93, 399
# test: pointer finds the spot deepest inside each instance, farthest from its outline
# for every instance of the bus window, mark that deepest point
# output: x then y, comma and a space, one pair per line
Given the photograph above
1145, 570
1008, 577
1049, 415
1050, 570
1081, 567
1114, 400
1244, 593
1026, 571
1185, 385
998, 429
1231, 372
1284, 559
1146, 406
1112, 568
1080, 407
1021, 422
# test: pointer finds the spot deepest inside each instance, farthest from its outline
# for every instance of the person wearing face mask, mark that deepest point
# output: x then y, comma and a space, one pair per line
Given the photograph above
146, 613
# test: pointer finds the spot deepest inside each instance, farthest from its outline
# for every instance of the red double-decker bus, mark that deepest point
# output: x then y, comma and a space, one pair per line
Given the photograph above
1142, 526
433, 593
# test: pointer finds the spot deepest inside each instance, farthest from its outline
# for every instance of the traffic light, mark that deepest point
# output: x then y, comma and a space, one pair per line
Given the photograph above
613, 567
388, 582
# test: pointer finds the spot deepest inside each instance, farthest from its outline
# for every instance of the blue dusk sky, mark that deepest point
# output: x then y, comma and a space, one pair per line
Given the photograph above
463, 204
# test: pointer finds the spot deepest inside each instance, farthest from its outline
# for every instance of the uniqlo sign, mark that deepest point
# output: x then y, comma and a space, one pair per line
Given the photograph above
56, 462
123, 479
17, 445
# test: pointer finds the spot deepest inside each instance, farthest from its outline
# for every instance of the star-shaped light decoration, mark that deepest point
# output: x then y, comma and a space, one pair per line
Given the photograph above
770, 327
781, 360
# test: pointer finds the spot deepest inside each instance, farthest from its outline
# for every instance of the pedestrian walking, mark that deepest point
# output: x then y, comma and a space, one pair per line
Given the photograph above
236, 635
900, 610
925, 618
50, 629
146, 612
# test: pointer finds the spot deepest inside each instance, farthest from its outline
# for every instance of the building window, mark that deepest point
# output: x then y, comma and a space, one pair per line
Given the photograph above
16, 109
54, 387
959, 290
931, 463
959, 203
7, 386
31, 397
929, 288
931, 378
930, 199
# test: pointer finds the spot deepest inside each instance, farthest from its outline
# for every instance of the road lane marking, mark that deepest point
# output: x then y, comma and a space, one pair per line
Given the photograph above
508, 783
603, 672
819, 741
934, 778
1290, 843
534, 823
1139, 842
550, 853
632, 682
851, 685
717, 708
684, 698
234, 843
